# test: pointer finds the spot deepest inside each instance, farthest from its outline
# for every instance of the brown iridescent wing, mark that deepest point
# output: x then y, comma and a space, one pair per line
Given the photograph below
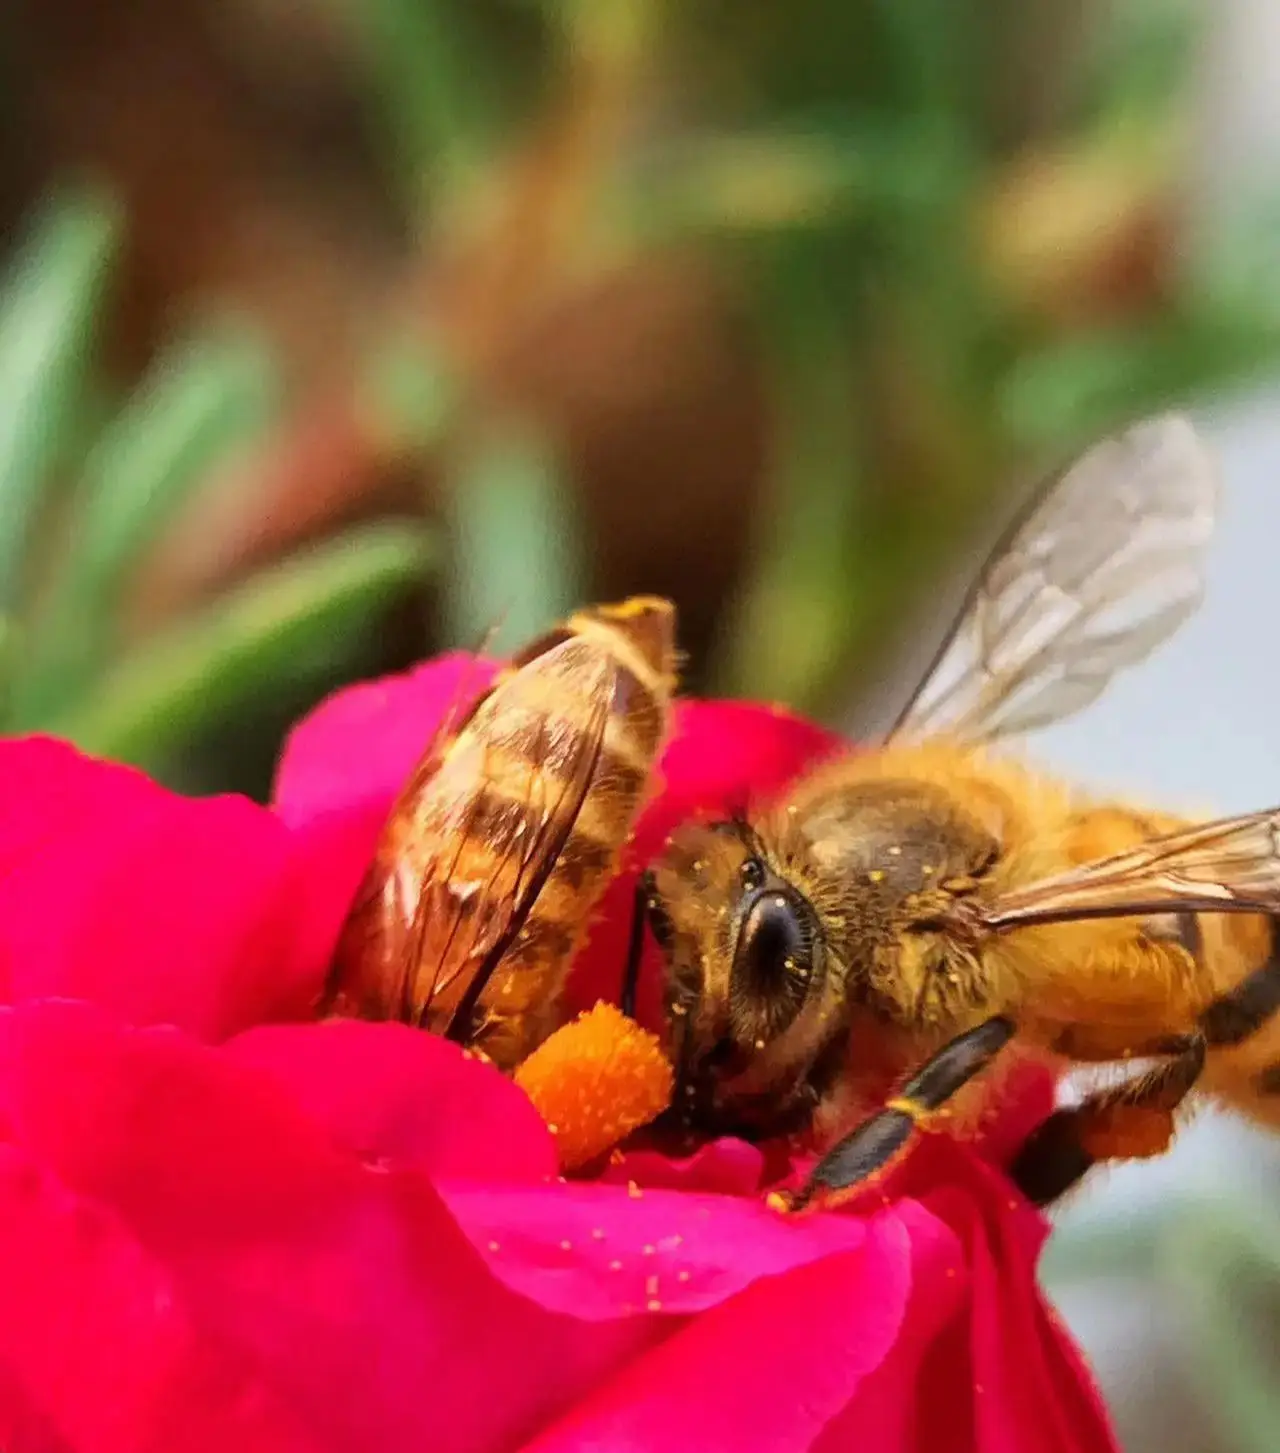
1102, 567
1228, 866
447, 979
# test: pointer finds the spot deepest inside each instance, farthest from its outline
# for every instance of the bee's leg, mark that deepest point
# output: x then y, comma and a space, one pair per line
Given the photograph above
635, 946
876, 1141
1130, 1121
1136, 1119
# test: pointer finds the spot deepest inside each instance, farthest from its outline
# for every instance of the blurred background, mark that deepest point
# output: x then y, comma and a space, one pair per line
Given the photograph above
332, 333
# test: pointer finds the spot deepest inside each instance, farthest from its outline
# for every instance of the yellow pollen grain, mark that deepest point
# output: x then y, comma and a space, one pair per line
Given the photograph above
876, 875
634, 1191
493, 1246
759, 1043
653, 1305
895, 852
615, 1266
682, 1276
566, 1246
776, 1201
594, 1081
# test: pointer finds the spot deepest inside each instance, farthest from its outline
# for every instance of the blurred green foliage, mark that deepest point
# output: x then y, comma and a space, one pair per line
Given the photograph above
849, 166
104, 479
961, 255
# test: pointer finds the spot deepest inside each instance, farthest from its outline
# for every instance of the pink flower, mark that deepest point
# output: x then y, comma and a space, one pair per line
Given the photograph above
226, 1227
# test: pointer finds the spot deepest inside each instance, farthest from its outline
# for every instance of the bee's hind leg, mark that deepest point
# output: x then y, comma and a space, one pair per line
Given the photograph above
1130, 1121
871, 1147
1136, 1120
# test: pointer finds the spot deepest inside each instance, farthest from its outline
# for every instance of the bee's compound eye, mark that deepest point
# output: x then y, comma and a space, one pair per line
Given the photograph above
752, 874
775, 946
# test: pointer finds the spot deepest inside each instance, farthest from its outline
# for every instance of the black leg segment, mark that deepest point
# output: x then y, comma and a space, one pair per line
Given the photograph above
1129, 1121
875, 1142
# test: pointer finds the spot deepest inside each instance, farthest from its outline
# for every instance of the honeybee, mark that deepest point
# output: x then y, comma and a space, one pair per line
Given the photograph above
910, 915
505, 835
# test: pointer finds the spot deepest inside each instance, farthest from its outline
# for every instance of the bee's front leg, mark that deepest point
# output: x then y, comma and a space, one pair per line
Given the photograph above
859, 1156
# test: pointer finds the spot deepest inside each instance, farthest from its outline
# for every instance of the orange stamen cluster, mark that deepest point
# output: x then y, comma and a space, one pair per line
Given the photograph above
595, 1080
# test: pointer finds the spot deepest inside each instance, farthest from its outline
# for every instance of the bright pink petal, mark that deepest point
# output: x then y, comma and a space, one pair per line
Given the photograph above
99, 1349
725, 1167
602, 1251
207, 914
350, 1289
358, 746
1027, 1384
770, 1367
1029, 1380
393, 1094
917, 1399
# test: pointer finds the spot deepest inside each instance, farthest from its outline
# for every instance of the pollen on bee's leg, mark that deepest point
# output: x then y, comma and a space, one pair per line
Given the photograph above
595, 1080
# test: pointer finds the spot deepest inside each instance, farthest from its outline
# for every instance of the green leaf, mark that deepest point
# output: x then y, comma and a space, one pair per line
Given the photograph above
789, 625
930, 50
48, 310
790, 176
409, 391
1088, 383
1141, 61
431, 82
516, 564
290, 623
197, 403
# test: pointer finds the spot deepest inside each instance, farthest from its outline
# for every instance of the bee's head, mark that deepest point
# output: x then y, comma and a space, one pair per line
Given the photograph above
751, 1002
776, 936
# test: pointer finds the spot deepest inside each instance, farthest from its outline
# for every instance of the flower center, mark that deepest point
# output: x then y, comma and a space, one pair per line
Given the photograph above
595, 1080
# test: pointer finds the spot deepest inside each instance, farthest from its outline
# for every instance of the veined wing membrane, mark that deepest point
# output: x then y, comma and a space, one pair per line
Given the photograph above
1101, 569
1228, 866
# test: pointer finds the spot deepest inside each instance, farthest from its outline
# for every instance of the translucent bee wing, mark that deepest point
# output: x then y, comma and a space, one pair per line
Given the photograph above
1102, 568
1228, 866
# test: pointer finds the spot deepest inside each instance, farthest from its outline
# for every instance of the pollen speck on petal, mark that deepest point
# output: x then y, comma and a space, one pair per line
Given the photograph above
596, 1080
